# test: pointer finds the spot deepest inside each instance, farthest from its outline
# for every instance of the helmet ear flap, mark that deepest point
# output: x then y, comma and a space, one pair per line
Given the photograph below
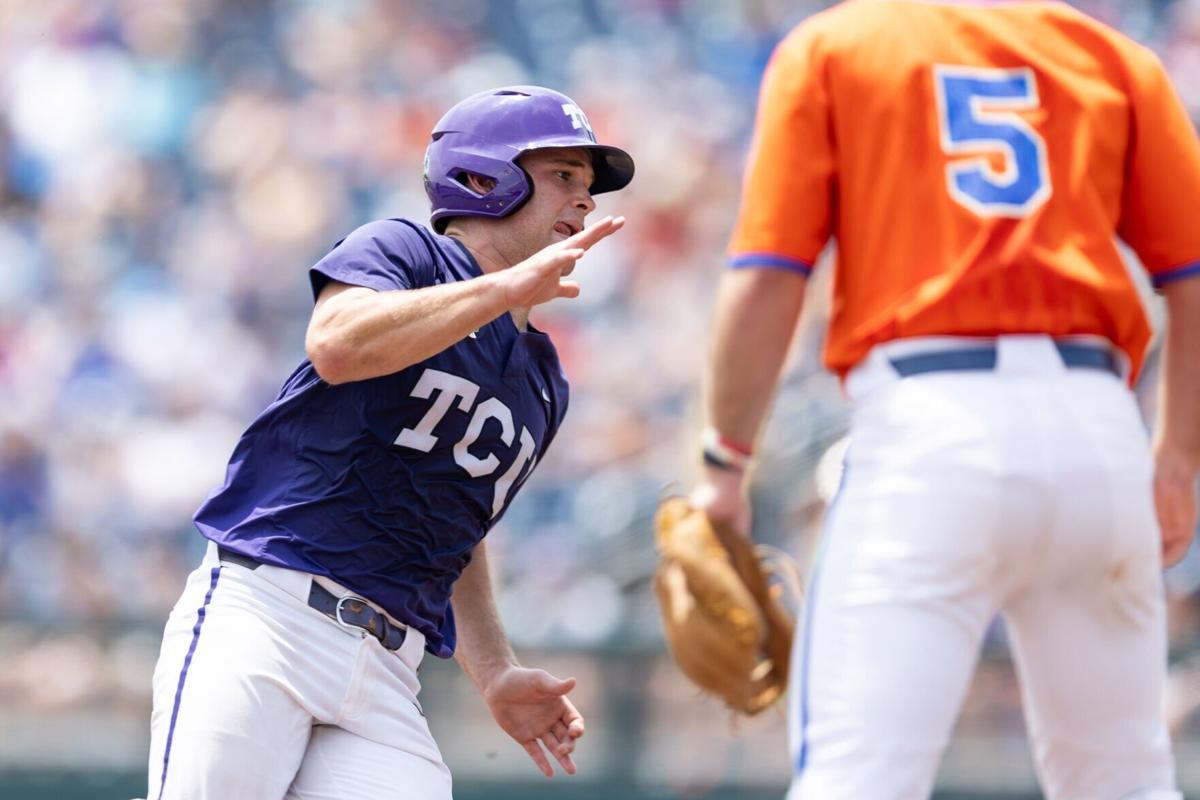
477, 184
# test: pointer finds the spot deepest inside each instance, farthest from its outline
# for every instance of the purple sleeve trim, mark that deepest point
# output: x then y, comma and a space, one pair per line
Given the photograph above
771, 261
1178, 273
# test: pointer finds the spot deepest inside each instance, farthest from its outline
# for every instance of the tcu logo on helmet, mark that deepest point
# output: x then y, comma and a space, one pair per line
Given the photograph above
578, 119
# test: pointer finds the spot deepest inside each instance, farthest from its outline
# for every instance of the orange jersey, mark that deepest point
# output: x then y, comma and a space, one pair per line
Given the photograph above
976, 164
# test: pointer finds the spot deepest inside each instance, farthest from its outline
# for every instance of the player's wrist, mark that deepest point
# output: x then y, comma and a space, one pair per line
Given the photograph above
497, 296
1174, 460
492, 674
723, 452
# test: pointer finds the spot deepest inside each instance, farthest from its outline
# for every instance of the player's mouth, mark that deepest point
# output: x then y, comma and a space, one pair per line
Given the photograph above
567, 229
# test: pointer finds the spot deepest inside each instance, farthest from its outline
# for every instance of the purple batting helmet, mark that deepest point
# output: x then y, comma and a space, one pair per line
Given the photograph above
487, 132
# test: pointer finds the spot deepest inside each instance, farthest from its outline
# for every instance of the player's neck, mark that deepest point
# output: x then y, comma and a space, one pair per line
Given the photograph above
488, 259
490, 251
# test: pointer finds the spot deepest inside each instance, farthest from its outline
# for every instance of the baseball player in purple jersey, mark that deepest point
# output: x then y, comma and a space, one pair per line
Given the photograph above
347, 537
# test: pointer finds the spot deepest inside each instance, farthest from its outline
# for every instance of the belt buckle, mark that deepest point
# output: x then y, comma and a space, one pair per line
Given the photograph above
337, 613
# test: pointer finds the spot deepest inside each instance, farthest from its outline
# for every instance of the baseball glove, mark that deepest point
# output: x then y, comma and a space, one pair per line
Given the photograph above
724, 623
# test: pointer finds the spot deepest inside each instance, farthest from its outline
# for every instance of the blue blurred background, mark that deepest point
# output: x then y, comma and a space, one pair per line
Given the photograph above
168, 171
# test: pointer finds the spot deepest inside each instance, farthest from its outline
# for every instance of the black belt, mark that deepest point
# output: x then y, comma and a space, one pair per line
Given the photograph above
348, 610
1073, 354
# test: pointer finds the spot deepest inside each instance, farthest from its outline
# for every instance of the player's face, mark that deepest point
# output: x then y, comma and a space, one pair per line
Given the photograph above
561, 200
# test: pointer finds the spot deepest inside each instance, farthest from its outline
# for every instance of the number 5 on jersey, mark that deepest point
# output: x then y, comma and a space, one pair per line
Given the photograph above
977, 117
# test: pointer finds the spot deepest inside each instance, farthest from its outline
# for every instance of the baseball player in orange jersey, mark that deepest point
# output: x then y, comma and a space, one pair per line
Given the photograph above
976, 164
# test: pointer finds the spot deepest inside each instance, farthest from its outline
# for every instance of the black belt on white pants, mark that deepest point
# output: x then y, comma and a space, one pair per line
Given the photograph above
984, 357
347, 611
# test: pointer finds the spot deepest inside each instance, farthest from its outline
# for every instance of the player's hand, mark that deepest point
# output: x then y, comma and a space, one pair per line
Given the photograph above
531, 706
539, 278
1175, 502
721, 494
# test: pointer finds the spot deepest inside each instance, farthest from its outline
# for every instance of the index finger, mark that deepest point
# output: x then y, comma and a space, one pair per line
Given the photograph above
572, 719
594, 233
575, 728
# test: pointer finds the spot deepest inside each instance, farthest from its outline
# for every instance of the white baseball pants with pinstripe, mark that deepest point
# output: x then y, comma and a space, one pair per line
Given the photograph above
258, 696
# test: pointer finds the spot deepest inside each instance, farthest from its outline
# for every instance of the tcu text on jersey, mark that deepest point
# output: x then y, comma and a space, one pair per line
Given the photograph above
445, 389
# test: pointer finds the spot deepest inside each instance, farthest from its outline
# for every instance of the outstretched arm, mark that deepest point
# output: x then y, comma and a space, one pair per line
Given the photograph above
531, 705
1177, 431
357, 333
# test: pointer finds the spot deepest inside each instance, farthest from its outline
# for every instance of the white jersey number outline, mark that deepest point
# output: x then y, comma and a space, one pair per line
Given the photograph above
976, 115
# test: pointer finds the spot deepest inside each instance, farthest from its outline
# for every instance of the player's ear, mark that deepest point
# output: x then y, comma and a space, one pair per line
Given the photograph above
480, 184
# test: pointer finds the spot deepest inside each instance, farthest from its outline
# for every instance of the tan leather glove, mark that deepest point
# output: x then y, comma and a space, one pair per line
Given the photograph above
723, 622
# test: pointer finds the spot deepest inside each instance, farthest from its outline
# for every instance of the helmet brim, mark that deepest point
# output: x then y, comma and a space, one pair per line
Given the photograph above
613, 167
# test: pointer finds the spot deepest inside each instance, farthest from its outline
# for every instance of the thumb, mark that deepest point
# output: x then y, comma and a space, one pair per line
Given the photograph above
550, 685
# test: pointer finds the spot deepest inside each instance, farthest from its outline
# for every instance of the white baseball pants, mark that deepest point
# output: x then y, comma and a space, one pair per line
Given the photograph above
1023, 490
259, 696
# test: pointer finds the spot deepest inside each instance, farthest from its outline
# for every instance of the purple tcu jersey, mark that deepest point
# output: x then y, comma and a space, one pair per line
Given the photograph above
385, 485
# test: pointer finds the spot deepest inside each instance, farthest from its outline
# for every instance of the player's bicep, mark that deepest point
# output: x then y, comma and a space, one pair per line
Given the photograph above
335, 297
335, 302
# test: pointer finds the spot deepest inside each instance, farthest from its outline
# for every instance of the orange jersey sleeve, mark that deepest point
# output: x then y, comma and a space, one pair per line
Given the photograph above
791, 167
976, 163
1162, 192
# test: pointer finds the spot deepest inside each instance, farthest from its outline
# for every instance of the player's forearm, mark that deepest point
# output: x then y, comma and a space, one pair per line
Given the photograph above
358, 334
483, 650
1177, 432
755, 320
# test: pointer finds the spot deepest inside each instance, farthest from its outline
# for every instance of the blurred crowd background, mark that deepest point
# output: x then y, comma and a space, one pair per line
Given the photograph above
169, 169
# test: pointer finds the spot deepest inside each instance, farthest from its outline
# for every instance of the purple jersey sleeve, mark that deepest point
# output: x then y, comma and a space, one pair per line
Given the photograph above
384, 255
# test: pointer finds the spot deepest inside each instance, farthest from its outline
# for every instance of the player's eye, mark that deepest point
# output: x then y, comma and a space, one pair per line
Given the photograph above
564, 174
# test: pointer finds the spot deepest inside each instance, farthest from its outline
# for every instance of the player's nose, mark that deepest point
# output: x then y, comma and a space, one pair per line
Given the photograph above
584, 202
